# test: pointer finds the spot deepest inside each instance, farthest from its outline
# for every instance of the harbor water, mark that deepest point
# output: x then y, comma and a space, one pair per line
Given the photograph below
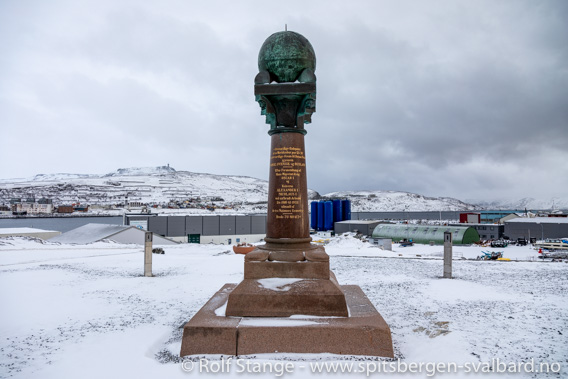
60, 224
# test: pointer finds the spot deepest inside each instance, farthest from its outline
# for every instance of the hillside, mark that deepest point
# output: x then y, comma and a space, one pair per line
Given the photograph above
163, 185
151, 186
529, 203
384, 201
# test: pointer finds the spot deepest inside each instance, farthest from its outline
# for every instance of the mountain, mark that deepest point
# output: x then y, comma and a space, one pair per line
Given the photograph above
144, 171
384, 201
528, 203
146, 185
164, 185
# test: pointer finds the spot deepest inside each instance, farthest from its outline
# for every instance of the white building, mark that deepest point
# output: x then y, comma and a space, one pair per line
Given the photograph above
34, 208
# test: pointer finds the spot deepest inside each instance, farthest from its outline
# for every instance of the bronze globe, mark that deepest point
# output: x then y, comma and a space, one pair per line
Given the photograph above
285, 55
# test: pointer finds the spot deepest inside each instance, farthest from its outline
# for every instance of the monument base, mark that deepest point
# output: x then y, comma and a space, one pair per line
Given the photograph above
364, 332
283, 297
287, 278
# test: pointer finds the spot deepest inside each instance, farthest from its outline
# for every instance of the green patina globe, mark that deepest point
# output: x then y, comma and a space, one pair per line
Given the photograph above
285, 55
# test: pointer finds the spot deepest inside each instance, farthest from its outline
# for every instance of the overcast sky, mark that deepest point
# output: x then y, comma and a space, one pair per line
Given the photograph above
467, 99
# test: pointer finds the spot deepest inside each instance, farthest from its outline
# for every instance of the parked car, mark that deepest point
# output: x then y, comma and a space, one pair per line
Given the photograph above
499, 243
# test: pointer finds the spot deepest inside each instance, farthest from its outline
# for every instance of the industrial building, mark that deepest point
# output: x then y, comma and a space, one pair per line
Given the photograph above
470, 218
203, 229
426, 234
407, 215
364, 227
487, 231
484, 217
31, 207
536, 227
252, 228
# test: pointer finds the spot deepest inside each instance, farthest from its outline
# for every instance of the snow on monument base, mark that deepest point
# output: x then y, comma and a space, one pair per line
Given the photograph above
364, 332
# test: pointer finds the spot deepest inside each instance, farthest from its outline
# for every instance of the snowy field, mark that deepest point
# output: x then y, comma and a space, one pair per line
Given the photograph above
87, 311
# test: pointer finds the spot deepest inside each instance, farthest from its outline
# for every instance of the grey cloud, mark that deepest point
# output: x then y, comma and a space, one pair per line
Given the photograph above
460, 99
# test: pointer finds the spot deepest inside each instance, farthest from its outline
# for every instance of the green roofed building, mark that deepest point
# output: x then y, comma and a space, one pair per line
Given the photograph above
425, 234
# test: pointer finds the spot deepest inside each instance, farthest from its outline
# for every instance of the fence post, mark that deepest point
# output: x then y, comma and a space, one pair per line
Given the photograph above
448, 255
148, 254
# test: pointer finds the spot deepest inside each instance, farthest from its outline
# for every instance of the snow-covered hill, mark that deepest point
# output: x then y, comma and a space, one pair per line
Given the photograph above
162, 185
384, 201
153, 185
525, 203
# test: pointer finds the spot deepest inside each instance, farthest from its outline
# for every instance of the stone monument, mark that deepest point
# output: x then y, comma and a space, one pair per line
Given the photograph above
288, 275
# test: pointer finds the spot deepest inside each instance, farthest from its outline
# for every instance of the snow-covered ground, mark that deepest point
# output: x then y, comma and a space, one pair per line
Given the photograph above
87, 311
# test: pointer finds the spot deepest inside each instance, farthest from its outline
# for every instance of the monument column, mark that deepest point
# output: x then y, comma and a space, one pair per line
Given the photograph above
285, 89
288, 275
287, 190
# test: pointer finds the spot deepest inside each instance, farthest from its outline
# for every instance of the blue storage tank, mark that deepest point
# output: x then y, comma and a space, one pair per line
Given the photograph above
314, 215
346, 204
328, 215
320, 216
337, 211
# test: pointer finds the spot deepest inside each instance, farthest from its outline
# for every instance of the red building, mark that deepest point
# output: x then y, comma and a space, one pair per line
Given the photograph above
470, 218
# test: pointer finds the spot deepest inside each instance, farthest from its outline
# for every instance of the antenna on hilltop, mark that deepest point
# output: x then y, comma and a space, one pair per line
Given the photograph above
285, 27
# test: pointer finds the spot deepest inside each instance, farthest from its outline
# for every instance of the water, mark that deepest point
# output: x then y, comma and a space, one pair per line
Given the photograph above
61, 224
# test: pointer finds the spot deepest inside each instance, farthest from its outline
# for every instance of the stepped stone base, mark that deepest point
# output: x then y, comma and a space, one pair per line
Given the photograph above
280, 297
283, 279
364, 332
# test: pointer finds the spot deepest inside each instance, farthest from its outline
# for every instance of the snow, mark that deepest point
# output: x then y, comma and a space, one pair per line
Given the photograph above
312, 317
159, 185
89, 233
23, 230
524, 203
278, 284
391, 201
454, 292
337, 247
149, 185
222, 309
279, 322
87, 310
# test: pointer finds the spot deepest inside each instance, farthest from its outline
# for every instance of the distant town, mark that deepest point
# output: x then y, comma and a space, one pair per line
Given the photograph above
46, 207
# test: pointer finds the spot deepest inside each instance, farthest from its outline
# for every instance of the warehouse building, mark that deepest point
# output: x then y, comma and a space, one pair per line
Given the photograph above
426, 234
484, 217
487, 231
365, 227
537, 227
227, 230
